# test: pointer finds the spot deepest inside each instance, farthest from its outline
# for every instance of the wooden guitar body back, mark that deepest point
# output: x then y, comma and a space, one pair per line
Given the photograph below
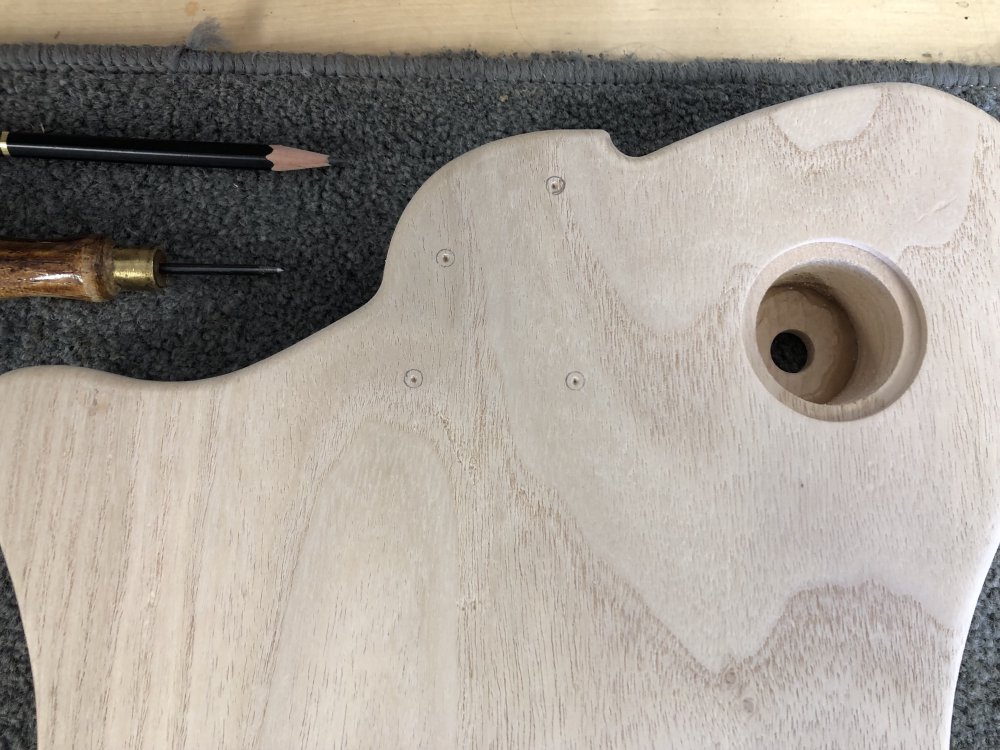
548, 488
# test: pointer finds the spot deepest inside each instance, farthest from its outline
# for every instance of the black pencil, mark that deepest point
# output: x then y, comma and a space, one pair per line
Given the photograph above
173, 153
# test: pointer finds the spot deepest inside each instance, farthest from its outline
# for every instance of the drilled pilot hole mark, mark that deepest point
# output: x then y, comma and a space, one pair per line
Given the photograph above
790, 351
445, 258
555, 185
575, 380
413, 378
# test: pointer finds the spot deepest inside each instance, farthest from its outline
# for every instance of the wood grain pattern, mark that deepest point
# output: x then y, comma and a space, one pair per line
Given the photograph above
418, 529
921, 30
81, 269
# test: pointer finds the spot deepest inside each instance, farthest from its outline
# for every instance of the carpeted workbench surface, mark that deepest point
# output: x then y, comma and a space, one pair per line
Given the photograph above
397, 120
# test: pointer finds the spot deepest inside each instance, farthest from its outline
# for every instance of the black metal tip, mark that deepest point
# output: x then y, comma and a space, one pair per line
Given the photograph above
202, 269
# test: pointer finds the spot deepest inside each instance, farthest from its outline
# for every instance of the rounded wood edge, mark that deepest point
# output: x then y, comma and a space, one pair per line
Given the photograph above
881, 308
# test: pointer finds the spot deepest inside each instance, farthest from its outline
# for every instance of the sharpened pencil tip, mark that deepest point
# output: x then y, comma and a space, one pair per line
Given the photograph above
286, 159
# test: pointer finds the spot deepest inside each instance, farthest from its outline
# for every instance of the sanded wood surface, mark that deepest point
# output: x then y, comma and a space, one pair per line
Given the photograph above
543, 490
921, 30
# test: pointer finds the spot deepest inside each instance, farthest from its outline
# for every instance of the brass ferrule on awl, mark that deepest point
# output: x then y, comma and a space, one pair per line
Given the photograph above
91, 269
137, 269
94, 269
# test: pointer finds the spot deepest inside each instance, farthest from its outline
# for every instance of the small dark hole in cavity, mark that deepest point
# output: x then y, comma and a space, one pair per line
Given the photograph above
789, 352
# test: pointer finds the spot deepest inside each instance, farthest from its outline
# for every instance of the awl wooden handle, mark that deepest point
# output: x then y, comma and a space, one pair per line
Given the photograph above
90, 269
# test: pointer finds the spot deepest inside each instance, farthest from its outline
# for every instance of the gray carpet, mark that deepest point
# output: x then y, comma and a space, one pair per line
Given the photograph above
397, 120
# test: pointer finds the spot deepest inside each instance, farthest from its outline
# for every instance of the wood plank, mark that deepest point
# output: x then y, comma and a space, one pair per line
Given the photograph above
921, 30
544, 489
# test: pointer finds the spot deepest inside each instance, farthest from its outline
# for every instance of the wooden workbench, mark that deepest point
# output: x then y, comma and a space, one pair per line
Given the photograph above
923, 30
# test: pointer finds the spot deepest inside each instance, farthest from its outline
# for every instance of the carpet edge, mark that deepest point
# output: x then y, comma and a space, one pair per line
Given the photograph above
556, 67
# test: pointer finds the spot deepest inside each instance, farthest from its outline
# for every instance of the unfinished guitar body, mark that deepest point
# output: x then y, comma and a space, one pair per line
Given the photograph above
549, 488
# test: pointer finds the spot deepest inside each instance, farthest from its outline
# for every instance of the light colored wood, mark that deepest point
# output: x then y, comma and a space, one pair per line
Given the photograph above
860, 316
922, 30
540, 491
825, 328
